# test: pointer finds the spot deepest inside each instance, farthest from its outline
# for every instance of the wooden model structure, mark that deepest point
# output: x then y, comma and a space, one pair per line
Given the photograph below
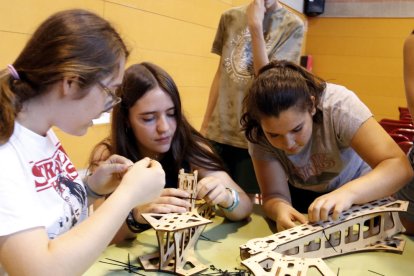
188, 182
368, 227
270, 263
177, 234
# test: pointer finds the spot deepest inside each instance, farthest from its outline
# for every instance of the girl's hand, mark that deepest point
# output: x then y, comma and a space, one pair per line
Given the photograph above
170, 201
255, 14
143, 181
287, 216
107, 174
212, 190
333, 203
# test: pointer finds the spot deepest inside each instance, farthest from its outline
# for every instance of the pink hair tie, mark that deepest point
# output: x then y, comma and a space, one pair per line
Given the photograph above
13, 72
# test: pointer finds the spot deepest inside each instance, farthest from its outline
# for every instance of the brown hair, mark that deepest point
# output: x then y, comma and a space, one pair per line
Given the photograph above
72, 43
279, 86
187, 144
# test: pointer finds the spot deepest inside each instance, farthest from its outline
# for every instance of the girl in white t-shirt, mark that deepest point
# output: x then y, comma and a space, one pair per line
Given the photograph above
314, 142
65, 77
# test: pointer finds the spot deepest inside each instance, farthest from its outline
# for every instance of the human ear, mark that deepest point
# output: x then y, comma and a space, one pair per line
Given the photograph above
70, 85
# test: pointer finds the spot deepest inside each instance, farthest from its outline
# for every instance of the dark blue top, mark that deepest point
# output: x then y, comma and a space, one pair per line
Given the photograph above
171, 175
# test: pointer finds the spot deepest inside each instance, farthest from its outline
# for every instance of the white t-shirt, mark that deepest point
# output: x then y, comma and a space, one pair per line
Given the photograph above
39, 185
327, 161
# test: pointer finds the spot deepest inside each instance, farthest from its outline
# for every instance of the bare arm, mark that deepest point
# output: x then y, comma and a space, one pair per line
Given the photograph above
97, 172
390, 171
212, 187
276, 196
408, 58
169, 201
30, 252
255, 14
212, 100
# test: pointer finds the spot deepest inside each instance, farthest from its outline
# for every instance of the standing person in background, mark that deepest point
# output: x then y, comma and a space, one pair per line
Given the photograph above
65, 77
246, 39
407, 192
316, 147
150, 122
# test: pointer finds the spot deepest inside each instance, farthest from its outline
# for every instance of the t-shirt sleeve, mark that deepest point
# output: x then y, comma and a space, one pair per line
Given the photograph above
347, 114
18, 209
289, 34
290, 48
263, 150
218, 40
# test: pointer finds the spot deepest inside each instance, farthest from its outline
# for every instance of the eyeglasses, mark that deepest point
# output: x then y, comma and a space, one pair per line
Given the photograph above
112, 100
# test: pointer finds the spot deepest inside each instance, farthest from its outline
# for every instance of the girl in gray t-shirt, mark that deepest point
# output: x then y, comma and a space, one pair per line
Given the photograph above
322, 140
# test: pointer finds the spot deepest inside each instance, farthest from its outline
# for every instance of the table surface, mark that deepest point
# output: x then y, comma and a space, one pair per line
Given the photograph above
219, 246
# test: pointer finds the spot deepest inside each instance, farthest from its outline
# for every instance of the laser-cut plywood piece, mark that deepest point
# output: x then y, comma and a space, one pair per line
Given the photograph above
204, 209
270, 263
177, 234
367, 227
188, 182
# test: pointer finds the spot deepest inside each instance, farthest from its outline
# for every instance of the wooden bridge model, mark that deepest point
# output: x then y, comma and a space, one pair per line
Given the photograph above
368, 227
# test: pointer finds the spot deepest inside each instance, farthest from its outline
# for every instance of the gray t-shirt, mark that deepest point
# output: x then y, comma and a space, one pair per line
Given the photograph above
283, 33
327, 161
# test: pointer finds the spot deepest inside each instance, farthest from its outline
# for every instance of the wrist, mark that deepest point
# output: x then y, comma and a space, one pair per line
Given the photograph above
134, 225
137, 216
90, 192
256, 29
234, 202
275, 204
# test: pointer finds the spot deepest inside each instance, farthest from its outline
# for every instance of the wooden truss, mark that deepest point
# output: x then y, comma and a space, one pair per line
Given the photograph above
368, 227
270, 263
177, 234
188, 182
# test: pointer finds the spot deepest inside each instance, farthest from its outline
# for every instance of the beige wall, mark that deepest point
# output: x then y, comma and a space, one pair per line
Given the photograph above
364, 54
175, 34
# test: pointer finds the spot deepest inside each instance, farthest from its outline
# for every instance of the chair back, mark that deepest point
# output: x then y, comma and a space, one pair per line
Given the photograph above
399, 138
407, 132
390, 126
405, 146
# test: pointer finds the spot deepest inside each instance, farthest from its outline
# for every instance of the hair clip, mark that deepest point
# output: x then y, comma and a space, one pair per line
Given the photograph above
13, 72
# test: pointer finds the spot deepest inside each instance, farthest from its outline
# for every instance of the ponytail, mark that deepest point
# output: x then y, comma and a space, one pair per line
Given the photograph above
7, 108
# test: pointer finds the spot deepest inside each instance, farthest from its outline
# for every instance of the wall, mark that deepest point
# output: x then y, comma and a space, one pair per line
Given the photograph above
296, 5
175, 34
364, 54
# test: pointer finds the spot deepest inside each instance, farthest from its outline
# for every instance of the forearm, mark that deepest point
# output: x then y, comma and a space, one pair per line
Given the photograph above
273, 206
408, 57
124, 233
212, 99
80, 247
384, 180
243, 209
260, 57
74, 251
218, 188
